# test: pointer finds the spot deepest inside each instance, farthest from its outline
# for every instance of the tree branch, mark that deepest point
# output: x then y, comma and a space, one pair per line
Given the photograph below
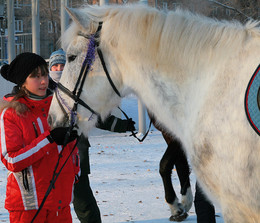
231, 8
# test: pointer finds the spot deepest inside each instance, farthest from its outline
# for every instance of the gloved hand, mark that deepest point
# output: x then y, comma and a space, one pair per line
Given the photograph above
130, 125
58, 135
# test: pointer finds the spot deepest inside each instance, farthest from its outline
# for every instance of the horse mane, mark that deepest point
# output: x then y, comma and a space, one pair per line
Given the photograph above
166, 37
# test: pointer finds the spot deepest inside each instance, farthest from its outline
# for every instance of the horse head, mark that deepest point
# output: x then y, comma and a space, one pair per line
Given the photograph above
84, 91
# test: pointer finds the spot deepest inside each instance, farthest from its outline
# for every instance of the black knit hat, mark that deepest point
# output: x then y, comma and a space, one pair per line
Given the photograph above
21, 67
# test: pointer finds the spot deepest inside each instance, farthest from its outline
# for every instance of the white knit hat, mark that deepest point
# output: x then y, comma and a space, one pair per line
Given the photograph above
57, 57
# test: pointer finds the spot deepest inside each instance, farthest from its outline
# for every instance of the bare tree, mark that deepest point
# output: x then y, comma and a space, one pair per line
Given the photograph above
50, 15
238, 9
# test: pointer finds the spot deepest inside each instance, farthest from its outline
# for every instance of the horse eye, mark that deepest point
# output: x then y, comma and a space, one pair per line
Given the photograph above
71, 58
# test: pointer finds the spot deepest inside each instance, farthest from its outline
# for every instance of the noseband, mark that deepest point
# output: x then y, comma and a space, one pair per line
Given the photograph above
85, 68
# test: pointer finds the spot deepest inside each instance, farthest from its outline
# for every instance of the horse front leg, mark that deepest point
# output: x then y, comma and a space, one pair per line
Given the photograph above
166, 165
183, 171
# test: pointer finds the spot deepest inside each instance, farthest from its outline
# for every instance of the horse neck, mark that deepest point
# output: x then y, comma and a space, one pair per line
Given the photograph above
162, 94
172, 85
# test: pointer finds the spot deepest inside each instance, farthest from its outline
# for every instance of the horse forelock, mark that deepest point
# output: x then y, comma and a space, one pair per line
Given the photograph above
69, 35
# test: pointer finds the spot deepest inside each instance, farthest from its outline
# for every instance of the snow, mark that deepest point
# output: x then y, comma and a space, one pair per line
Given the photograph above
125, 176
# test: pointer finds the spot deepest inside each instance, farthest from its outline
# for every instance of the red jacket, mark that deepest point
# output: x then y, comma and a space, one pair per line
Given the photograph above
31, 158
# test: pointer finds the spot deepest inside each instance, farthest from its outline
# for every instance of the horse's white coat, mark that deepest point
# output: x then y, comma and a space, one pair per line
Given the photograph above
191, 72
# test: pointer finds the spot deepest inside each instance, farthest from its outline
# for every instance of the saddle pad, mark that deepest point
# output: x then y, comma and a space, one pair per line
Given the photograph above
252, 101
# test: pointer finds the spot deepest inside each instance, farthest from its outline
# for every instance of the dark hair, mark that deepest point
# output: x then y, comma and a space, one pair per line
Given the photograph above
22, 91
21, 67
43, 68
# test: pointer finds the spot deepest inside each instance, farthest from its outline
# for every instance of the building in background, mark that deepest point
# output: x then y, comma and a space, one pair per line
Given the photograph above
49, 26
50, 30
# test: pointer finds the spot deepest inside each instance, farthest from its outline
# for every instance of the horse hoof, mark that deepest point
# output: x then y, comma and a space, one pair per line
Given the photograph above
179, 218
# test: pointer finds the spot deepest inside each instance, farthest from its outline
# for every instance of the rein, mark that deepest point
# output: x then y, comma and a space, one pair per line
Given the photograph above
56, 174
75, 95
134, 133
100, 54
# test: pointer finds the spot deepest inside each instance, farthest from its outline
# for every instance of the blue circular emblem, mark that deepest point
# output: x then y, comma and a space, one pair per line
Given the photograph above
252, 101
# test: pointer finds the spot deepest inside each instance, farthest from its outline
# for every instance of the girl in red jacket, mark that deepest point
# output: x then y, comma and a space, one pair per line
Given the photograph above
30, 151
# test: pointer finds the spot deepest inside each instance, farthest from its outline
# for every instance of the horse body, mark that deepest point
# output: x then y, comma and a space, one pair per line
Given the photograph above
191, 72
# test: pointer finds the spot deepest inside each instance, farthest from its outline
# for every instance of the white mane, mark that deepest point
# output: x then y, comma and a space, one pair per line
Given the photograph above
167, 37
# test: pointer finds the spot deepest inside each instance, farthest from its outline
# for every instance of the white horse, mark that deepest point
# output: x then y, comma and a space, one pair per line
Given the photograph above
191, 72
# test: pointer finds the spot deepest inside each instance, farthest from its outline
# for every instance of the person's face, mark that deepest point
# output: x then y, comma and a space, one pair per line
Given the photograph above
37, 83
57, 67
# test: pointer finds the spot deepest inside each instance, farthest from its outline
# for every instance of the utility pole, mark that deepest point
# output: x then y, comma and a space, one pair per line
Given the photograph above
11, 24
64, 18
141, 107
103, 2
144, 2
35, 27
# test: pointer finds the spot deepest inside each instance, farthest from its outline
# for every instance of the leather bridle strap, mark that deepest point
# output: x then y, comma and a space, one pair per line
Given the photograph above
75, 97
100, 54
83, 68
86, 66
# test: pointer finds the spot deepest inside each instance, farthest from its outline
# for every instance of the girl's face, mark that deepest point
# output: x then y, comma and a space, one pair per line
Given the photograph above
37, 83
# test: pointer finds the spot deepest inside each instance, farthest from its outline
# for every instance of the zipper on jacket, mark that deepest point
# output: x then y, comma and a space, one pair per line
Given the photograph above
24, 172
77, 160
35, 129
25, 180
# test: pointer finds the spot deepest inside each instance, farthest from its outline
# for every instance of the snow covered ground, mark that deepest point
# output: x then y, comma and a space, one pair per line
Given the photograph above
125, 176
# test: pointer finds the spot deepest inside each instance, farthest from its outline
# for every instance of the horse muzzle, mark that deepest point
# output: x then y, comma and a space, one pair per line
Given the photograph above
54, 122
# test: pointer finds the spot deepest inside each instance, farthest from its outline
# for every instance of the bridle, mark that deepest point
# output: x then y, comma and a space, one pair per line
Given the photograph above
86, 67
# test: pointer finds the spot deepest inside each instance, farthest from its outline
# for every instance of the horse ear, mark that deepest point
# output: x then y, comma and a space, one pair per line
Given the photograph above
79, 17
